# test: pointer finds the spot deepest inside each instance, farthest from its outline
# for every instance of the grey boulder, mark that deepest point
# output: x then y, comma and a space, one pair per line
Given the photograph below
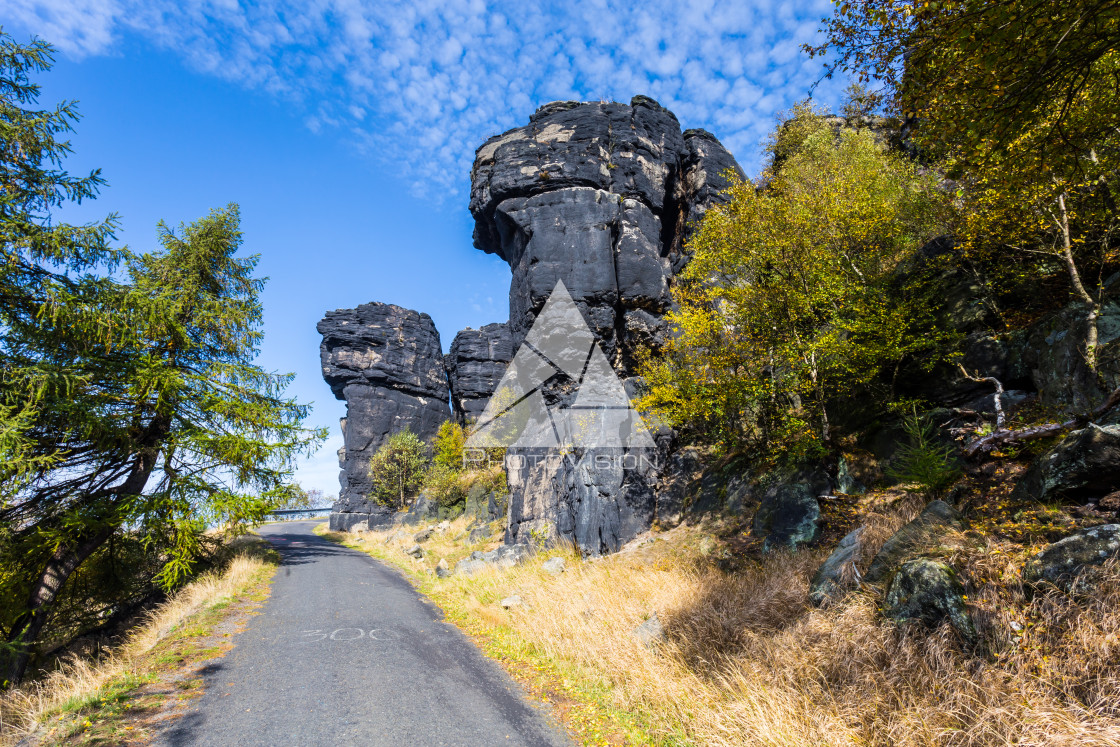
554, 566
838, 572
650, 632
1085, 464
919, 536
927, 591
1073, 557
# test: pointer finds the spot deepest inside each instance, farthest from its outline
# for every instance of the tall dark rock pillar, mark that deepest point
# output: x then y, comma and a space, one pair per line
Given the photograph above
599, 196
387, 364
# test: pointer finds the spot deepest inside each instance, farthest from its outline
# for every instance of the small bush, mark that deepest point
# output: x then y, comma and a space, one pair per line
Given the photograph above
397, 468
445, 485
448, 447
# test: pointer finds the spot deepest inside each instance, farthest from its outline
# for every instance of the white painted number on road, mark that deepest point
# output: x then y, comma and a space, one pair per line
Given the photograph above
344, 634
347, 634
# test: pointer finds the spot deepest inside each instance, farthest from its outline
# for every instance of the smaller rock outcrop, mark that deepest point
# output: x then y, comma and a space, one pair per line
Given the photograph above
1084, 466
927, 591
788, 517
554, 566
475, 364
838, 572
386, 363
1055, 354
919, 536
1073, 557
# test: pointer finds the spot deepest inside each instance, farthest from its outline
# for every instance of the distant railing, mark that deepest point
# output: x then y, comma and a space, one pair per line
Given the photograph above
284, 514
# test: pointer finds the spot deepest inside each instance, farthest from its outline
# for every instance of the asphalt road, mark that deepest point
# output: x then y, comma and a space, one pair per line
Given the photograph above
345, 652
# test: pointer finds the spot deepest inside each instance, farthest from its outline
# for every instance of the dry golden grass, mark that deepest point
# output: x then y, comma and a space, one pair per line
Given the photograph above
77, 679
748, 662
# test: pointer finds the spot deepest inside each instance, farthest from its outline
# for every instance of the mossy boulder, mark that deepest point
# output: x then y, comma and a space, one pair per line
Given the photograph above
1084, 465
927, 591
1074, 557
918, 537
788, 517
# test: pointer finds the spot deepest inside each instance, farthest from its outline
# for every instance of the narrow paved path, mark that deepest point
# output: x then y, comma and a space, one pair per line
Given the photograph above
345, 652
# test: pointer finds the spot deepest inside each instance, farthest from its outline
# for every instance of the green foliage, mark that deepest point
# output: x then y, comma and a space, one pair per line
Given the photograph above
925, 459
445, 484
448, 446
397, 468
791, 300
129, 400
1017, 101
981, 75
52, 310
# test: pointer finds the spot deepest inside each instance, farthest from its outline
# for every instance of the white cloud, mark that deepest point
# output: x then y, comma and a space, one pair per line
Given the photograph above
423, 84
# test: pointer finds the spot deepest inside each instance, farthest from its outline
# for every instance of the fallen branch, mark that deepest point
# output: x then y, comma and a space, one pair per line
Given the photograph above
1003, 436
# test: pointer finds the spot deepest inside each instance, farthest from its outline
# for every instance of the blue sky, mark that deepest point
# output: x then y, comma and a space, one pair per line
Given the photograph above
345, 129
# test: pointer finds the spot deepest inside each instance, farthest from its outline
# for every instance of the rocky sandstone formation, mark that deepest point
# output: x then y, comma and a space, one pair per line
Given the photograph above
601, 197
475, 365
387, 364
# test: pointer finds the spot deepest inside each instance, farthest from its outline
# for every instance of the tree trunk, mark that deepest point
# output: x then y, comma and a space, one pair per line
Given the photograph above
66, 558
1092, 305
27, 627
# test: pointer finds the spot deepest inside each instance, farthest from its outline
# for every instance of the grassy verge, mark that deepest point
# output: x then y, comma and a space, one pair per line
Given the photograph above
126, 696
746, 661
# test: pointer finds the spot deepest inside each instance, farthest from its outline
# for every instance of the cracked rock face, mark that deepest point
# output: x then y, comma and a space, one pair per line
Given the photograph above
475, 365
600, 196
387, 364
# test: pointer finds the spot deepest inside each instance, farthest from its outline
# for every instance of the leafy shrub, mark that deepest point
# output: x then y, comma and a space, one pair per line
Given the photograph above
445, 485
397, 468
448, 447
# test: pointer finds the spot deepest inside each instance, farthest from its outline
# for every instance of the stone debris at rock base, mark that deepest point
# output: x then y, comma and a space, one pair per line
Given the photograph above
554, 566
423, 535
506, 556
415, 551
1077, 555
442, 569
650, 632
